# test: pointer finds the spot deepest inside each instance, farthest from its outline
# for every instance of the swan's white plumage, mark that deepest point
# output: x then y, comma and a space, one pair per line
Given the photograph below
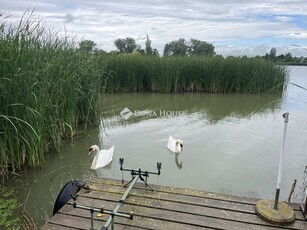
174, 145
102, 157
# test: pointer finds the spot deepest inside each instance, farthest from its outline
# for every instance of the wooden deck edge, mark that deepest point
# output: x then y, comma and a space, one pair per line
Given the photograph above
224, 218
166, 208
252, 211
202, 224
183, 191
192, 192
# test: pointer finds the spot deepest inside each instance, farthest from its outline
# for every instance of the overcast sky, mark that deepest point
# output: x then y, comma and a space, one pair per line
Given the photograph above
234, 27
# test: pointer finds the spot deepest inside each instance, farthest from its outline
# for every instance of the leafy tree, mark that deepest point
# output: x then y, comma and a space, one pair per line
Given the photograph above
140, 50
281, 57
155, 52
288, 57
87, 46
148, 49
175, 48
266, 56
198, 47
125, 45
120, 45
193, 47
130, 45
284, 58
272, 53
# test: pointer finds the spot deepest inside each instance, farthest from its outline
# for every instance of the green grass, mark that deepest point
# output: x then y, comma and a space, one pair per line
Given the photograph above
132, 73
8, 204
12, 214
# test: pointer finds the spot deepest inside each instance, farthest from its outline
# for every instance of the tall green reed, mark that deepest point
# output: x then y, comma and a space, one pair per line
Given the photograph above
47, 88
131, 72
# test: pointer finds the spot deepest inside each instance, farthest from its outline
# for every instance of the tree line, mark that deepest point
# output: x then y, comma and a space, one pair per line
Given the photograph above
284, 58
180, 47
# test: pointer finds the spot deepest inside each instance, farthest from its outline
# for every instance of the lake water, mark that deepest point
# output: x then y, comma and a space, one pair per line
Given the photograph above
232, 144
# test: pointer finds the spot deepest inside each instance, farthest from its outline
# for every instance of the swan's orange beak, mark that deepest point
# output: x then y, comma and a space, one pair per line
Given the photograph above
90, 151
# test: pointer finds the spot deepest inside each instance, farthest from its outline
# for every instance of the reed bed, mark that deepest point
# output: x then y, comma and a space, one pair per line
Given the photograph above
132, 73
47, 88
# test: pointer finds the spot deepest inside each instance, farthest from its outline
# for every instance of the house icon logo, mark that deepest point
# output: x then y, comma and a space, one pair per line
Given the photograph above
126, 113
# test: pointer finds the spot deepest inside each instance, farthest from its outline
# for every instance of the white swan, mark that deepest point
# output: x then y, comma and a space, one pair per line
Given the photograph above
174, 145
102, 157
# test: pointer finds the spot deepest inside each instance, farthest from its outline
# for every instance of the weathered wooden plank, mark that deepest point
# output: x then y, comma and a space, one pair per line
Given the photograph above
223, 204
115, 191
185, 191
138, 222
62, 221
49, 226
208, 218
230, 212
231, 205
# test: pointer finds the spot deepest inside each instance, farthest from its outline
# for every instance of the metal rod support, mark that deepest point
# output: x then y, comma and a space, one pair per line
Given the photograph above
103, 211
135, 172
286, 120
276, 198
121, 201
92, 220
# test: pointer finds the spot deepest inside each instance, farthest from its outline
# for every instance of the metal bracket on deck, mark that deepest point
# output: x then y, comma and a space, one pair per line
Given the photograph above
142, 175
304, 206
136, 175
102, 211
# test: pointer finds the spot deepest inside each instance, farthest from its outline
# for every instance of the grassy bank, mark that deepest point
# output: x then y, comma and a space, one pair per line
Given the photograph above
132, 73
47, 88
8, 204
13, 216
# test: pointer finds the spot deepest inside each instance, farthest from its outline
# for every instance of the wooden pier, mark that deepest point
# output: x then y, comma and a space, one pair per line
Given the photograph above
166, 208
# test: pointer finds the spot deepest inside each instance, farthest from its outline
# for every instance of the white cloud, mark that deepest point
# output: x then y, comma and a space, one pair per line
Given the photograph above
225, 22
296, 35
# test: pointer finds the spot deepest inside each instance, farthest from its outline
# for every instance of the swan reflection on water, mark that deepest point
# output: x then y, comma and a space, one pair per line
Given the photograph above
179, 165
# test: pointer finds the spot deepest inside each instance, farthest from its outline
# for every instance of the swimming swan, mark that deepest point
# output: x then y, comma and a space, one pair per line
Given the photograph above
102, 157
175, 145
